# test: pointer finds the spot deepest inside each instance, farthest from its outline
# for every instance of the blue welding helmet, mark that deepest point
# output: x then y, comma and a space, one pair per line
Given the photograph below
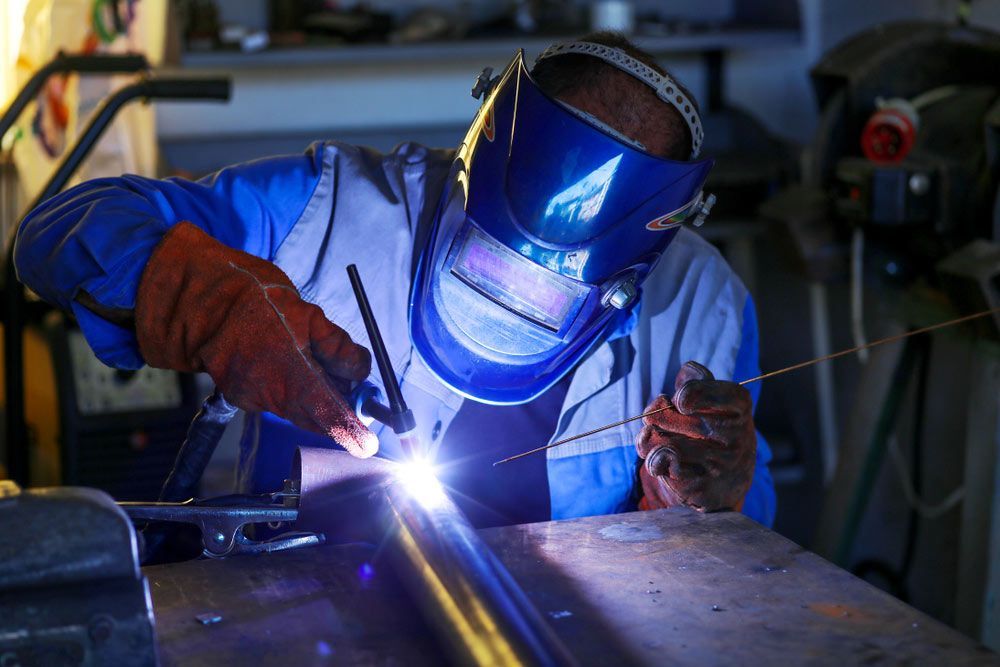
548, 226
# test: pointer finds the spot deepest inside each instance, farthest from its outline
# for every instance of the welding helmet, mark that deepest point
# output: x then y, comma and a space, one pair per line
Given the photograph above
548, 225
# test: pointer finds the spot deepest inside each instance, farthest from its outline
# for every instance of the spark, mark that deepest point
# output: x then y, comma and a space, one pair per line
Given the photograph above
419, 477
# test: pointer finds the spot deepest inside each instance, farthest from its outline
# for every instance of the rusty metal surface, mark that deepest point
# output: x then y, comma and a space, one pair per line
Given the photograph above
677, 587
667, 587
325, 605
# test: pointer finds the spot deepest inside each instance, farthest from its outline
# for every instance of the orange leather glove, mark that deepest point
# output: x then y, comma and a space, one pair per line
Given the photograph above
700, 452
203, 306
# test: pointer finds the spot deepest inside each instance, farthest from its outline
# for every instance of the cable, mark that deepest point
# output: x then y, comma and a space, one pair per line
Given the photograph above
857, 296
924, 509
933, 96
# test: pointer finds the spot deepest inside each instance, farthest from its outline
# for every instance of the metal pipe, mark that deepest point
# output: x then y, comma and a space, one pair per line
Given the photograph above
66, 64
479, 613
825, 391
148, 88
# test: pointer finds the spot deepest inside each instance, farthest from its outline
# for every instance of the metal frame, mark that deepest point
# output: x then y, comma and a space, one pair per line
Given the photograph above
148, 88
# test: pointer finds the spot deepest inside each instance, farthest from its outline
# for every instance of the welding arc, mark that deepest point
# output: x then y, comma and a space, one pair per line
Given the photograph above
781, 371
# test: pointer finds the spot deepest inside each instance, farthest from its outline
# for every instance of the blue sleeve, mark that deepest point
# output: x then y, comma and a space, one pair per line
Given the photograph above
761, 501
99, 235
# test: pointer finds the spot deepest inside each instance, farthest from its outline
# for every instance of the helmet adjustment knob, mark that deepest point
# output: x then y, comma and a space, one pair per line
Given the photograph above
703, 210
484, 83
622, 294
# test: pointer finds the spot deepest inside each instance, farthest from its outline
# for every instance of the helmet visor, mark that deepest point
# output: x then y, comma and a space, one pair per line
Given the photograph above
544, 214
506, 278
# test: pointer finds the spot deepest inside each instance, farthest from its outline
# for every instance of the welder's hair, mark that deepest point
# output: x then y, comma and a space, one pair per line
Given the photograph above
633, 103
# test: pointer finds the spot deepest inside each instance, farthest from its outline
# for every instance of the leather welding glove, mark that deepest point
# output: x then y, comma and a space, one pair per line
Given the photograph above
700, 452
203, 306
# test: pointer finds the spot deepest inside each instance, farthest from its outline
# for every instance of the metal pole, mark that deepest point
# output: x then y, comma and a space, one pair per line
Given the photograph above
65, 64
479, 613
825, 391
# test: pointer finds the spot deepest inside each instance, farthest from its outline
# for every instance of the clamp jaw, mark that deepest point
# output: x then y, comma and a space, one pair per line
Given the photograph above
222, 521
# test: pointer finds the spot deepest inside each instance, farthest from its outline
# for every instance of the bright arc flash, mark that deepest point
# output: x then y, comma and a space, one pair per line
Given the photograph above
420, 481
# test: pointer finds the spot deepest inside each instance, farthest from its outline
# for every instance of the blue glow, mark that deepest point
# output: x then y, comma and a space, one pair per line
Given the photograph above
419, 479
323, 649
366, 572
505, 277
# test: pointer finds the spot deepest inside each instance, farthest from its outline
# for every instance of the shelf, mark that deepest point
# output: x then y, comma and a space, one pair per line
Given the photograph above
478, 50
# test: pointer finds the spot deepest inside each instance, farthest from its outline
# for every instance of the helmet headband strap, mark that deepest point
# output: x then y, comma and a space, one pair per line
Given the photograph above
665, 87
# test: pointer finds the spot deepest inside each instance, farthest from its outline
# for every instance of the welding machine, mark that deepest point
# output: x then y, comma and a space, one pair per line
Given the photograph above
93, 425
119, 430
909, 137
69, 419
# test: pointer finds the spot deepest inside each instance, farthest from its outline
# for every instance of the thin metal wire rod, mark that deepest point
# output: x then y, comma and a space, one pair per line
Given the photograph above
880, 341
781, 371
584, 435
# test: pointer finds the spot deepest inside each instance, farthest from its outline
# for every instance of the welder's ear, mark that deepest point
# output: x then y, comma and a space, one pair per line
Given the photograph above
692, 370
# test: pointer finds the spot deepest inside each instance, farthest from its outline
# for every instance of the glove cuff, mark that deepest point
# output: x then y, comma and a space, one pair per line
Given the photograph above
158, 295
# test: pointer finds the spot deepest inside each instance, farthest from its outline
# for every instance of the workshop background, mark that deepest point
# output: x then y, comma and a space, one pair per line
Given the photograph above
885, 462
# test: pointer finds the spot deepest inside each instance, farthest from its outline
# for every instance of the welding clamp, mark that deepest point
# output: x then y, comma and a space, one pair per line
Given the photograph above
223, 520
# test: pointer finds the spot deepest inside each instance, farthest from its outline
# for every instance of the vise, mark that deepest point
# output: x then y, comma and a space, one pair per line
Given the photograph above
71, 592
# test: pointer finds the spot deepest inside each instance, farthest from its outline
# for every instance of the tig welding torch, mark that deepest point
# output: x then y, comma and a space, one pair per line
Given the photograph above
366, 397
368, 401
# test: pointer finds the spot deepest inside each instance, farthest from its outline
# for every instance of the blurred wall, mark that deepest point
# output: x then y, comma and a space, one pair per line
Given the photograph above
280, 107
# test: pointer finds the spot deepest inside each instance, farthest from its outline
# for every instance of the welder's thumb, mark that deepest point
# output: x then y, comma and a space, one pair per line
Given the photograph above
692, 370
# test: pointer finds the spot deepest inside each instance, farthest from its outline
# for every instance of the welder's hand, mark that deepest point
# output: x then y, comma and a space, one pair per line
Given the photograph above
700, 452
203, 306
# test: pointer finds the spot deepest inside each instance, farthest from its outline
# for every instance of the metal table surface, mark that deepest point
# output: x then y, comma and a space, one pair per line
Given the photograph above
665, 587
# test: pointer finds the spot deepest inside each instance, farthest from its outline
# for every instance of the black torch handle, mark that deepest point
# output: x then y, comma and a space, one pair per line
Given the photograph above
396, 402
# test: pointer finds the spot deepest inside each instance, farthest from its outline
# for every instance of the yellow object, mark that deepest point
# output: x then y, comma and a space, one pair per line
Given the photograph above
11, 26
41, 403
129, 145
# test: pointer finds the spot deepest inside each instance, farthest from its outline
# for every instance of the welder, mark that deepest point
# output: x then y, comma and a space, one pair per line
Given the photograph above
534, 283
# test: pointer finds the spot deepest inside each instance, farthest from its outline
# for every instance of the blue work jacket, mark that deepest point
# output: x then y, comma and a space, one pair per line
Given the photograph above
337, 204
